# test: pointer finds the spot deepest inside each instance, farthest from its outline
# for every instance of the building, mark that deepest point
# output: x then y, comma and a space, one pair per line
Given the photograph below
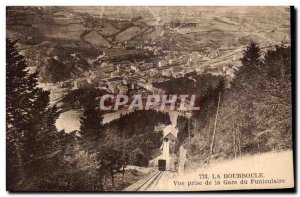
168, 159
169, 140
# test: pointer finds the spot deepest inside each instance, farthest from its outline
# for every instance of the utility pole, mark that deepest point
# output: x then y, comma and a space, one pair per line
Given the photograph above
209, 128
189, 116
123, 155
240, 149
189, 130
234, 143
215, 127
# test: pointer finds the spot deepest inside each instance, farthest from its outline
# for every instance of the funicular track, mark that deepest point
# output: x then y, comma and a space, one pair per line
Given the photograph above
151, 182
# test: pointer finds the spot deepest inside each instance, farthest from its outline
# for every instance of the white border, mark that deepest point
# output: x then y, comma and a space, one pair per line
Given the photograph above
156, 2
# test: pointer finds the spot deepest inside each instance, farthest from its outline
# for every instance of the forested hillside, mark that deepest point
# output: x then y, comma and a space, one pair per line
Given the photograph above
255, 113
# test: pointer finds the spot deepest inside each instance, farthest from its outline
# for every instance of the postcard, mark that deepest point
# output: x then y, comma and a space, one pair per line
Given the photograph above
149, 99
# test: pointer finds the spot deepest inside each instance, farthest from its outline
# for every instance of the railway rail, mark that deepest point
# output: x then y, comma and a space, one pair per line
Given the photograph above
151, 182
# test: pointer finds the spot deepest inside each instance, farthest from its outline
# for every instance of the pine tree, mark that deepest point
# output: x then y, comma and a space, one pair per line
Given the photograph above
91, 129
16, 92
31, 132
93, 140
251, 63
252, 55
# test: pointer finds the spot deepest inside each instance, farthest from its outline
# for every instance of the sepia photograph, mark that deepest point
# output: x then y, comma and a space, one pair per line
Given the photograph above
149, 98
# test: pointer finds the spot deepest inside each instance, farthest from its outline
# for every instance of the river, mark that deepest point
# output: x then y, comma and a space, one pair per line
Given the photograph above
70, 120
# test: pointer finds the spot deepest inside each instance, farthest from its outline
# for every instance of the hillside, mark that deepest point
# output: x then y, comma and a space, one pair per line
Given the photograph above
63, 32
254, 114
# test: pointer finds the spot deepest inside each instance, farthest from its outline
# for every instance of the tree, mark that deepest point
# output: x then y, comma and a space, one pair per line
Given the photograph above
182, 126
91, 129
30, 123
251, 55
111, 159
138, 158
251, 63
277, 63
